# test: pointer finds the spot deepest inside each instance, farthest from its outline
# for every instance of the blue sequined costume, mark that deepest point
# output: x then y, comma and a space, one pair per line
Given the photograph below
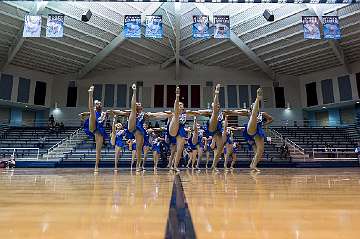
219, 127
119, 136
156, 146
99, 128
259, 130
140, 120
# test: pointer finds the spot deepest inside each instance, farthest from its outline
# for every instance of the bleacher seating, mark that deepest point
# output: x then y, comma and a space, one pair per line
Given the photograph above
28, 137
318, 137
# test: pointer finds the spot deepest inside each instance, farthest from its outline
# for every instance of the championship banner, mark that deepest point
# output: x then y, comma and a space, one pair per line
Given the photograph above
331, 27
154, 27
201, 26
132, 26
32, 26
222, 27
311, 27
55, 26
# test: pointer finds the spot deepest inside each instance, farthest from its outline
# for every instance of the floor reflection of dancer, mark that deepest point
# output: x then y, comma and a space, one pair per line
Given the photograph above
94, 125
254, 133
177, 127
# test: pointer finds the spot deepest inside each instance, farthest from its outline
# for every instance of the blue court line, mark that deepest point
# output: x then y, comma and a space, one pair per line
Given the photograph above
179, 224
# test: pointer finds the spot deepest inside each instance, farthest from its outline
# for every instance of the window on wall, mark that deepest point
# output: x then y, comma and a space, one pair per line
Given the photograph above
345, 88
170, 95
159, 96
23, 90
121, 95
98, 92
109, 95
40, 93
71, 96
184, 95
222, 97
254, 89
244, 95
327, 91
6, 84
279, 97
195, 96
311, 94
232, 96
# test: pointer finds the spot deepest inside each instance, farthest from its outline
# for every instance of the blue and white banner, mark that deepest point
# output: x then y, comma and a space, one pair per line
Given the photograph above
32, 26
311, 27
132, 26
154, 27
331, 27
55, 26
201, 27
222, 27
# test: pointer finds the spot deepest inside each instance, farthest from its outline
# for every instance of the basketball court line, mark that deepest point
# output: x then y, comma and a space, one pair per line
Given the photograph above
179, 223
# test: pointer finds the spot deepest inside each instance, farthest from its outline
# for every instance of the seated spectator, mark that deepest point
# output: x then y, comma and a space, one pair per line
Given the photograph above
51, 121
357, 150
41, 143
57, 129
284, 151
62, 127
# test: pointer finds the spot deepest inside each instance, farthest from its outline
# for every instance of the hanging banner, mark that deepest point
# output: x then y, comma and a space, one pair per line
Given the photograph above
201, 26
55, 26
132, 26
331, 27
32, 26
222, 27
311, 27
154, 27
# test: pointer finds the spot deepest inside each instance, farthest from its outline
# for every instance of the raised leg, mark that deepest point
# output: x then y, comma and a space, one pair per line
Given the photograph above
174, 123
99, 143
252, 124
259, 141
179, 151
92, 117
132, 116
215, 110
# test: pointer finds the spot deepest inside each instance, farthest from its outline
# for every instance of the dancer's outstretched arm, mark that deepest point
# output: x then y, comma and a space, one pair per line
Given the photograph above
157, 115
84, 115
119, 112
236, 128
242, 112
269, 118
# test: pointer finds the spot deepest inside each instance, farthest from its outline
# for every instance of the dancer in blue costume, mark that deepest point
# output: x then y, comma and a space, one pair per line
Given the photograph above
149, 135
254, 133
229, 143
200, 146
117, 136
207, 149
94, 125
171, 142
136, 124
177, 127
215, 126
192, 145
156, 148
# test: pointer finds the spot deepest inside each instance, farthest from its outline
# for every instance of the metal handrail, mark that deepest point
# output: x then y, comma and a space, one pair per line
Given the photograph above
62, 140
288, 141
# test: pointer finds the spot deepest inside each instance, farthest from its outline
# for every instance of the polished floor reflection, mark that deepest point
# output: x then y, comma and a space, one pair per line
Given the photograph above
76, 203
277, 203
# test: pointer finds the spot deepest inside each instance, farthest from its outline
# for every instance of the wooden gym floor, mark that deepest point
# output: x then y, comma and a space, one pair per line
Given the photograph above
276, 203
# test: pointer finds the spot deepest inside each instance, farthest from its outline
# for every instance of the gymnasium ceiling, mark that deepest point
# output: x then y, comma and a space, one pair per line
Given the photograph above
255, 44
